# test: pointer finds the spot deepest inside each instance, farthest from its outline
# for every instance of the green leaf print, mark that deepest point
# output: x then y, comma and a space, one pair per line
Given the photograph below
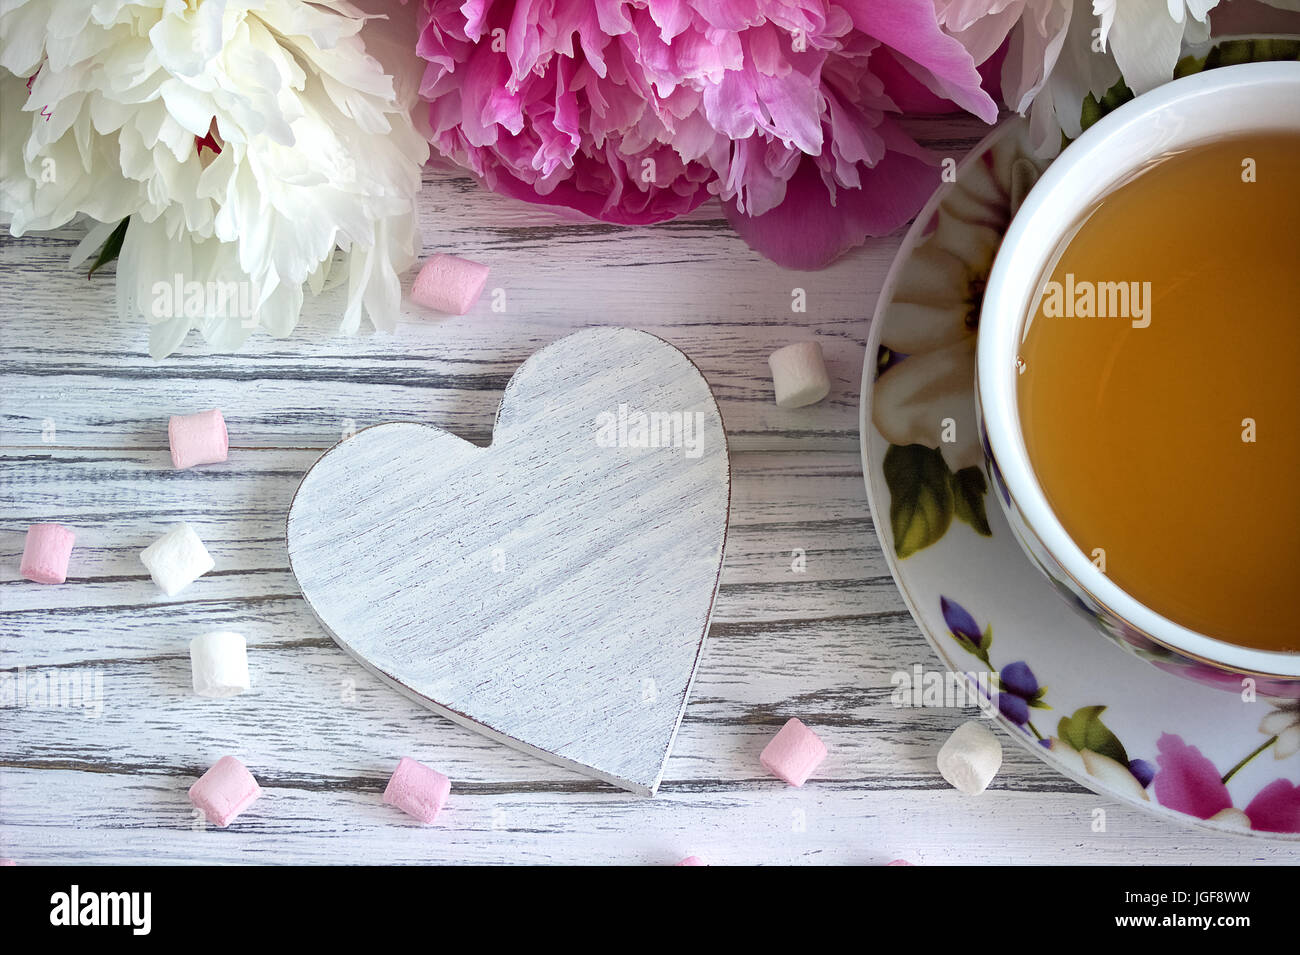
968, 490
920, 497
1085, 730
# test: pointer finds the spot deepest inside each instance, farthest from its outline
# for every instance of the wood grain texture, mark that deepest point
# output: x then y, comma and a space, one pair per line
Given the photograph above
107, 784
553, 589
323, 734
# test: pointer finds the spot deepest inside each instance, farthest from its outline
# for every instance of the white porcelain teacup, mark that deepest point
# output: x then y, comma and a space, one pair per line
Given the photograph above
1254, 97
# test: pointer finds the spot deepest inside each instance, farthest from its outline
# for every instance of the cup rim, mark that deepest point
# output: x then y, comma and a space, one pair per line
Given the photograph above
1068, 187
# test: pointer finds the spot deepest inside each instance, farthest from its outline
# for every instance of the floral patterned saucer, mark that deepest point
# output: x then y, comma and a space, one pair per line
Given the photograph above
1224, 759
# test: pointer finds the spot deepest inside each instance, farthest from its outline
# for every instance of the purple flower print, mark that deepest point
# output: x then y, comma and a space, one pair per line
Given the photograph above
1019, 691
966, 631
960, 623
1019, 688
1017, 678
1142, 771
1013, 708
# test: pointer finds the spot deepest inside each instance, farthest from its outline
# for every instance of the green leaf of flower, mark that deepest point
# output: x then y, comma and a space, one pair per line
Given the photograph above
1187, 66
920, 497
111, 248
1226, 53
1094, 109
1090, 113
1230, 53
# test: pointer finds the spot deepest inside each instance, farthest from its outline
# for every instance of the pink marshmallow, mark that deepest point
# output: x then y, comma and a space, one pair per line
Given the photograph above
7, 862
449, 284
46, 553
899, 862
793, 753
198, 438
692, 860
418, 790
224, 791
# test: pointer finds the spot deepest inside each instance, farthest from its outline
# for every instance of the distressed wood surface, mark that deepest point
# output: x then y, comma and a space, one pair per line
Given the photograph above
83, 440
551, 590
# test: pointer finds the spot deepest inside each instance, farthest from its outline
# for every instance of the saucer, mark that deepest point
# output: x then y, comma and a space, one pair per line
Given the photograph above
1218, 757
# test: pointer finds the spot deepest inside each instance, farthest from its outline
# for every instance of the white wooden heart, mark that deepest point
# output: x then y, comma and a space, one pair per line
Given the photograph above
553, 589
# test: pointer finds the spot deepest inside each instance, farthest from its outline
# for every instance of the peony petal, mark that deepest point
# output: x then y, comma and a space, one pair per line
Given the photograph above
809, 230
92, 242
1145, 41
656, 206
984, 38
1078, 71
939, 61
1033, 48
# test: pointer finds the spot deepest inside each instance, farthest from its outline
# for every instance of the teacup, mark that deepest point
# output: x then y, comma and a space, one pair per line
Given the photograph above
1220, 103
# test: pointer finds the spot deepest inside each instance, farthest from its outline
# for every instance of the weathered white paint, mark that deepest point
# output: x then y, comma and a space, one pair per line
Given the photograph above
553, 589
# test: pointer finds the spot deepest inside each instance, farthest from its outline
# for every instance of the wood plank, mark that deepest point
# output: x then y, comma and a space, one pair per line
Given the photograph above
102, 818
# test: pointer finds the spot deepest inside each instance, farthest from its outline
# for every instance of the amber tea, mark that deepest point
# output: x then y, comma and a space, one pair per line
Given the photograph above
1159, 393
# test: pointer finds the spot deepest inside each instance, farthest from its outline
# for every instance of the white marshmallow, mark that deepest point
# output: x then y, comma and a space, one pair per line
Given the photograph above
971, 757
220, 664
799, 375
176, 559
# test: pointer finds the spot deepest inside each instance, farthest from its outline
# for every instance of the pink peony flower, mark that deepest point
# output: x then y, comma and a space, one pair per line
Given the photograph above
636, 111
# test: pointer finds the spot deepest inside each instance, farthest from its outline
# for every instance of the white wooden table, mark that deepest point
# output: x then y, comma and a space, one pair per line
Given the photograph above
83, 440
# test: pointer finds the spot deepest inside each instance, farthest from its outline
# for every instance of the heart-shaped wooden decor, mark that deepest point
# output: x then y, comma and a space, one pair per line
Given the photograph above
553, 589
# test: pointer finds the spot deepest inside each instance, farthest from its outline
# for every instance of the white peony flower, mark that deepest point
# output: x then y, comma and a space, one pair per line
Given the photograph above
1036, 30
1059, 51
1146, 36
246, 140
